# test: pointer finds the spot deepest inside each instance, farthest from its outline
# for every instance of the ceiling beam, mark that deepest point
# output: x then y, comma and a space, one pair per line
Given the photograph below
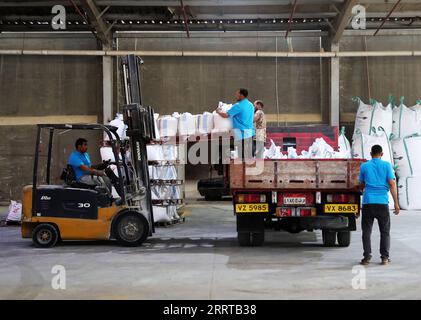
342, 20
97, 22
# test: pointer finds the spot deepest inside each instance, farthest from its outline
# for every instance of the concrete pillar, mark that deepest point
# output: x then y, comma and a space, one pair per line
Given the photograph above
334, 88
107, 88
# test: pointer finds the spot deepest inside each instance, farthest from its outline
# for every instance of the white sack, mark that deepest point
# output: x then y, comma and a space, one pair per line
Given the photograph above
274, 152
407, 156
320, 149
204, 123
373, 116
344, 147
155, 152
361, 147
15, 211
292, 153
406, 121
169, 152
186, 124
160, 214
409, 193
167, 126
222, 124
121, 127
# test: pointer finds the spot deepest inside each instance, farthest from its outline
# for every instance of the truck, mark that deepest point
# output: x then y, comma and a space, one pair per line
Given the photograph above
295, 195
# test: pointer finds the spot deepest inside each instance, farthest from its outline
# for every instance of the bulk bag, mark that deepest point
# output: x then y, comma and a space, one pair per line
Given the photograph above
409, 194
160, 214
167, 126
406, 121
155, 152
344, 146
407, 156
361, 147
121, 127
222, 124
373, 116
204, 123
186, 123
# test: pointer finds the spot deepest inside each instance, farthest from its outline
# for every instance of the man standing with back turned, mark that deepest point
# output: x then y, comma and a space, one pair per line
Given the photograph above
377, 178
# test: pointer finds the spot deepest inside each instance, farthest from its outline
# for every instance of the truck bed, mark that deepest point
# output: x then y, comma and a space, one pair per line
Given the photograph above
298, 174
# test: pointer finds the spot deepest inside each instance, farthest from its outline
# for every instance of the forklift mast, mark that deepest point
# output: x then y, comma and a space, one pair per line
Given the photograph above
141, 131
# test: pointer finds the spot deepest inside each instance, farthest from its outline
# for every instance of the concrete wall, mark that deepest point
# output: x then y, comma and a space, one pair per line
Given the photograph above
37, 86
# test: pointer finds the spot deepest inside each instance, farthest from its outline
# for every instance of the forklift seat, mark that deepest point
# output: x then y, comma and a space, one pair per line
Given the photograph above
69, 177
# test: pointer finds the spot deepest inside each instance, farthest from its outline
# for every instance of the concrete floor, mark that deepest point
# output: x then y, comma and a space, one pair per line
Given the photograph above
200, 259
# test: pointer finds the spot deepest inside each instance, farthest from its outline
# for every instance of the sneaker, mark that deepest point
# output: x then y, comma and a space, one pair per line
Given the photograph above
385, 261
365, 261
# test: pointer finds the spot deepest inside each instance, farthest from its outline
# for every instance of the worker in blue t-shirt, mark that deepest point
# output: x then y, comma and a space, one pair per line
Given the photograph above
84, 171
242, 116
377, 178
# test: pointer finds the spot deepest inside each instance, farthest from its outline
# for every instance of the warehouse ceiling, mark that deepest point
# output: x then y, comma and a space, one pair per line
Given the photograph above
103, 17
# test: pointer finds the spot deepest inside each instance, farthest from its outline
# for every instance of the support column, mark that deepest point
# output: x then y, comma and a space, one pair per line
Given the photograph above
107, 88
334, 88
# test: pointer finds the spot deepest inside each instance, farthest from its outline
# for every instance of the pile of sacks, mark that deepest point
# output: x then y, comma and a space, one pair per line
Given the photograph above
398, 130
186, 124
320, 149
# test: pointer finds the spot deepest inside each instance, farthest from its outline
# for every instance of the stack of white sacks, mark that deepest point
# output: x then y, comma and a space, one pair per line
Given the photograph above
398, 130
186, 124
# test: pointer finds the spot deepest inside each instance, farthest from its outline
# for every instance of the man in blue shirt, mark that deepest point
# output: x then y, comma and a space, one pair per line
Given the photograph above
377, 178
242, 116
84, 171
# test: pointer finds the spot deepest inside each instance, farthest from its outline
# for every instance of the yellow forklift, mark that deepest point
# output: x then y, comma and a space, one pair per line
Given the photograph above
74, 211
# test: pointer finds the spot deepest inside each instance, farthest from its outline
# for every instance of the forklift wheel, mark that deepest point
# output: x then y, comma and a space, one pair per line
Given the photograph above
45, 235
131, 229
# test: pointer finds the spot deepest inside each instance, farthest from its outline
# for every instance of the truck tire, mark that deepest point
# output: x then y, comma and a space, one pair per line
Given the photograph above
45, 235
131, 229
257, 239
329, 238
244, 239
344, 238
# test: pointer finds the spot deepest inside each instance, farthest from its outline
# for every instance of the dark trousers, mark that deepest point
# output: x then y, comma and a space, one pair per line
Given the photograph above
381, 213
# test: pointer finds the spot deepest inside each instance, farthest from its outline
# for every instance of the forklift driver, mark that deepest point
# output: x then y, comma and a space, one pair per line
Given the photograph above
84, 172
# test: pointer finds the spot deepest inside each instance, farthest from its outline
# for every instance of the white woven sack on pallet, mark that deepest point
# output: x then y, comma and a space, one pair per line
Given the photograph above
407, 156
167, 126
155, 152
409, 193
186, 123
204, 123
222, 124
361, 147
373, 116
406, 121
160, 214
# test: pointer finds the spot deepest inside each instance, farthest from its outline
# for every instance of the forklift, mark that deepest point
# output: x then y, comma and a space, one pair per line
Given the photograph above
75, 211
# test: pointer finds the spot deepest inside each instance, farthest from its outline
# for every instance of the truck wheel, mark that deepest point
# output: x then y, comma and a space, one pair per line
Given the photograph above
131, 229
244, 239
257, 239
329, 238
45, 235
344, 238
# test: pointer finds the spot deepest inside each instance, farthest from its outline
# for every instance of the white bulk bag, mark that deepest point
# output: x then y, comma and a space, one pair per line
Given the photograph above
409, 193
373, 116
320, 149
15, 211
155, 152
155, 118
121, 127
222, 124
344, 146
407, 156
186, 123
160, 214
204, 123
361, 147
167, 126
169, 152
406, 121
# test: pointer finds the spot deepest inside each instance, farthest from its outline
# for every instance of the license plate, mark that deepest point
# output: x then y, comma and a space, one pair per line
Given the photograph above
294, 200
341, 208
251, 207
